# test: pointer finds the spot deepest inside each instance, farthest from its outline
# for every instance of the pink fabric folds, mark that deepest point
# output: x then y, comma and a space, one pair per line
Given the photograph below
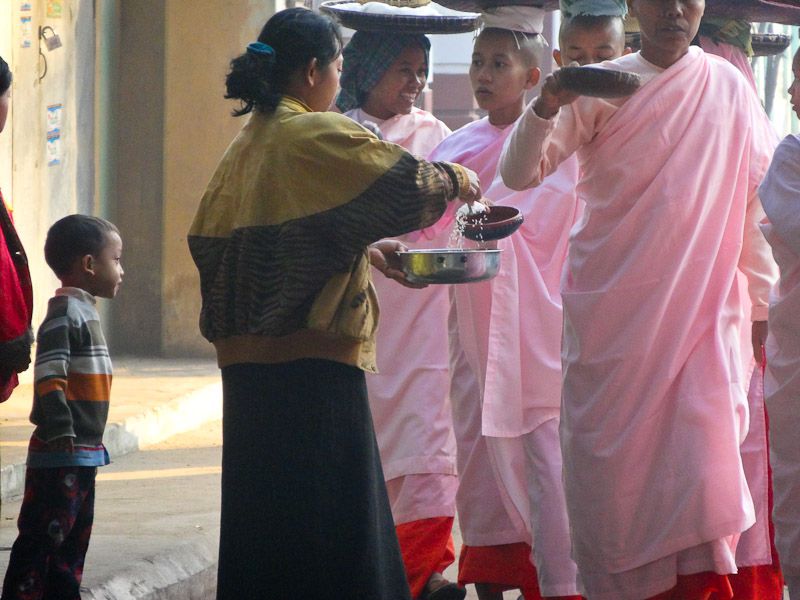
477, 146
733, 55
523, 357
754, 546
654, 394
482, 501
509, 328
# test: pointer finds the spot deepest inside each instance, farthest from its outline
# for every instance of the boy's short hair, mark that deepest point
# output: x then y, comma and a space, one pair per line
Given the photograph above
75, 236
530, 45
588, 22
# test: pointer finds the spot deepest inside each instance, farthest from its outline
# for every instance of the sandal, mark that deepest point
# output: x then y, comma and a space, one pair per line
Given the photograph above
438, 588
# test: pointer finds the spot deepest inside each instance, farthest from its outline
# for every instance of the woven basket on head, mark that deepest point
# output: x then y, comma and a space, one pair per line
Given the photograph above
769, 44
401, 3
344, 12
480, 5
759, 11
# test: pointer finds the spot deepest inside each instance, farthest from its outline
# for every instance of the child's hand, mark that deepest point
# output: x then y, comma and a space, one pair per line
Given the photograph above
62, 444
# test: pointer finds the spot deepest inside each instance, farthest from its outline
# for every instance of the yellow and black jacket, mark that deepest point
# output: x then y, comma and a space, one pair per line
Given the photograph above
281, 233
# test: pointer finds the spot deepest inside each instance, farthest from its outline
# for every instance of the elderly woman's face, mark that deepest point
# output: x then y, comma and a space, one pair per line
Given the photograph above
668, 27
400, 86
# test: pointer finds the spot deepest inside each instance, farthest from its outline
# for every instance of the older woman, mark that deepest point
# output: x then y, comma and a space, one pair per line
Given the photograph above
383, 76
281, 242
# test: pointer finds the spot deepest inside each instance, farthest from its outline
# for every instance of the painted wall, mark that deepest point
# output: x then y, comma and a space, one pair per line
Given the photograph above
143, 124
41, 193
201, 39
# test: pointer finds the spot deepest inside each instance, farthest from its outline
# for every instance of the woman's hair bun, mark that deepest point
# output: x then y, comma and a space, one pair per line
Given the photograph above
249, 81
289, 41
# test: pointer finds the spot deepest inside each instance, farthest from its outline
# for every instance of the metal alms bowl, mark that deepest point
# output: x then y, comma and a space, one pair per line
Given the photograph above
450, 265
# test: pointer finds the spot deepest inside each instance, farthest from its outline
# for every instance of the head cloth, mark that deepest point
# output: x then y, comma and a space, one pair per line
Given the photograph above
525, 19
594, 8
366, 58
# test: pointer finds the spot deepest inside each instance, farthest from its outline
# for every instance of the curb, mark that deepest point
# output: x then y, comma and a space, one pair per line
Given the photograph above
182, 414
187, 572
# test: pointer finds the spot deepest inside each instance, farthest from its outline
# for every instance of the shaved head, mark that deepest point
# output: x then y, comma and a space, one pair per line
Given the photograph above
586, 40
529, 45
583, 23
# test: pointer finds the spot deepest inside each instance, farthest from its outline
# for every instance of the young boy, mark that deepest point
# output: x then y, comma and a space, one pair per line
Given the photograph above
779, 194
506, 416
70, 406
590, 38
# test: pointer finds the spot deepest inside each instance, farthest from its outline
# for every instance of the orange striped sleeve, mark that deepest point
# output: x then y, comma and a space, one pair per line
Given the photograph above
46, 386
94, 387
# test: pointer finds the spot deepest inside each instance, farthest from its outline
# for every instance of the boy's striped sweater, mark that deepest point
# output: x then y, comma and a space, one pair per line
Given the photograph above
72, 382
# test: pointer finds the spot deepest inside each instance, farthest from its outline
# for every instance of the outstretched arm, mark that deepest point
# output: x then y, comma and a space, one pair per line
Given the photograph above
549, 131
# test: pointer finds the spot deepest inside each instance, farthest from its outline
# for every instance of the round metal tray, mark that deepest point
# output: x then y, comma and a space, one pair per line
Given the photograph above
450, 265
764, 44
769, 44
759, 11
481, 5
401, 23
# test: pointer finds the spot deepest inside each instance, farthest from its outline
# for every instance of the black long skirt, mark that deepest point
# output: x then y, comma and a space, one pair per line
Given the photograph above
304, 507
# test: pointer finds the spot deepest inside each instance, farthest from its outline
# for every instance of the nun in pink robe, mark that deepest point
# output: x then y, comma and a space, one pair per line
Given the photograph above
757, 576
780, 194
482, 516
493, 527
510, 329
506, 342
654, 398
409, 396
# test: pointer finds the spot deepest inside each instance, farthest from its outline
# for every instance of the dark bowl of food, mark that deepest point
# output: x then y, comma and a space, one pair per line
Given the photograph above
499, 222
598, 82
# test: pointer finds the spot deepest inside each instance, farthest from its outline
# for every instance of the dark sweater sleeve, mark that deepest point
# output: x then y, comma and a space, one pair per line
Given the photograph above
50, 411
412, 195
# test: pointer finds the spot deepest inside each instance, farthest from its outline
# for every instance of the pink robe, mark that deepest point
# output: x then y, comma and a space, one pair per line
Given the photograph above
733, 55
780, 193
754, 547
509, 332
483, 502
654, 400
409, 397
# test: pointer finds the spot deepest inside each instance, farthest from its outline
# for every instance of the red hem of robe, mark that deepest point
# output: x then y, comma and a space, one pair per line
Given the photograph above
699, 586
427, 547
764, 582
503, 567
